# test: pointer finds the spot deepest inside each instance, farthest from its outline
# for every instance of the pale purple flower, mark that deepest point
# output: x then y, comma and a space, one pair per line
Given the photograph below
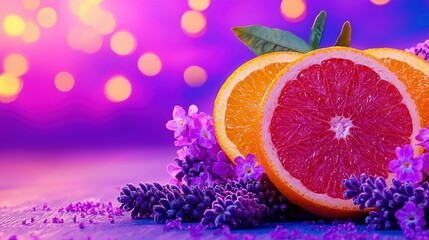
406, 166
247, 168
203, 131
223, 167
181, 122
425, 159
423, 138
174, 169
421, 50
410, 217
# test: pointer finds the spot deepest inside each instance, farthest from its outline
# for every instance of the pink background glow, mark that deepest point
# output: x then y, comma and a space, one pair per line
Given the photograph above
42, 117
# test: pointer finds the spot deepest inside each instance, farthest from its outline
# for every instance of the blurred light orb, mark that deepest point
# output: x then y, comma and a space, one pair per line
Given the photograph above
85, 39
293, 10
31, 4
193, 23
64, 81
149, 64
380, 2
105, 23
15, 64
195, 76
13, 25
74, 6
117, 89
199, 5
123, 43
10, 87
47, 17
31, 33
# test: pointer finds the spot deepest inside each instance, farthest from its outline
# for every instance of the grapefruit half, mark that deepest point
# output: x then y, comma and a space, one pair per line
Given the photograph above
331, 113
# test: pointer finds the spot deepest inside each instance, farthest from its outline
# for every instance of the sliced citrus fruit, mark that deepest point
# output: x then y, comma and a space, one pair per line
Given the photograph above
331, 113
413, 71
238, 100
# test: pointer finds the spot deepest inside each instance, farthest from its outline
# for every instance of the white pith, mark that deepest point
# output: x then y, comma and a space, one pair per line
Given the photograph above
270, 103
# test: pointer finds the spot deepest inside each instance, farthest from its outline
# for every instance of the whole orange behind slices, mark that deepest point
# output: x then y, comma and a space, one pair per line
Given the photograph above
328, 114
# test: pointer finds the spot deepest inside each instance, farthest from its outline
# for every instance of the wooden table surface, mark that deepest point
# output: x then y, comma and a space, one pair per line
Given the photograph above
30, 181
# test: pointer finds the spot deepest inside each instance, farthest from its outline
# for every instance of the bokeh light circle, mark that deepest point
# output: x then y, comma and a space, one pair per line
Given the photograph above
15, 64
31, 33
31, 4
85, 39
118, 89
380, 2
13, 25
293, 10
199, 5
193, 23
64, 81
149, 64
195, 76
10, 87
123, 43
47, 17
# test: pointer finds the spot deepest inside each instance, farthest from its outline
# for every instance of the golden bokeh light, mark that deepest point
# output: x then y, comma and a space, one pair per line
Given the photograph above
193, 23
123, 43
118, 89
47, 17
15, 64
10, 87
149, 64
195, 76
74, 6
199, 5
380, 2
31, 4
31, 33
102, 21
13, 25
293, 10
85, 39
64, 81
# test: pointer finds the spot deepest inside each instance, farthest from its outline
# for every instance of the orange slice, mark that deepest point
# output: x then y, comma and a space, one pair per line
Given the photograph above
413, 71
332, 113
238, 100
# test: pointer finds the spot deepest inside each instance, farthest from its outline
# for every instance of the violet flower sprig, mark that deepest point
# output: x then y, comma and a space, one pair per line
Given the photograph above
201, 161
198, 161
406, 202
421, 50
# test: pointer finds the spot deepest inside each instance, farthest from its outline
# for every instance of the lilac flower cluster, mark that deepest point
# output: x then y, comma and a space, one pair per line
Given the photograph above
421, 50
240, 209
402, 204
201, 161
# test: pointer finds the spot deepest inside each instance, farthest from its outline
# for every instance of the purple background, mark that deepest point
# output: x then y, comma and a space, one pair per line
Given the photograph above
44, 118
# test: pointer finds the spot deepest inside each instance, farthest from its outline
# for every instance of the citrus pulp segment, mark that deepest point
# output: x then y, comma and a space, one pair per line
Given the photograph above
332, 113
413, 71
238, 100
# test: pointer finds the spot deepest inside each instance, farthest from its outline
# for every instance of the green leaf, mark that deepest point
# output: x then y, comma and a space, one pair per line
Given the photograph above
262, 40
317, 29
345, 36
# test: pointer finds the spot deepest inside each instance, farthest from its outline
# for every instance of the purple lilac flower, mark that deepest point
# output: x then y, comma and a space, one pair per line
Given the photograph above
421, 50
410, 217
425, 159
180, 122
203, 131
247, 168
223, 167
423, 138
406, 166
